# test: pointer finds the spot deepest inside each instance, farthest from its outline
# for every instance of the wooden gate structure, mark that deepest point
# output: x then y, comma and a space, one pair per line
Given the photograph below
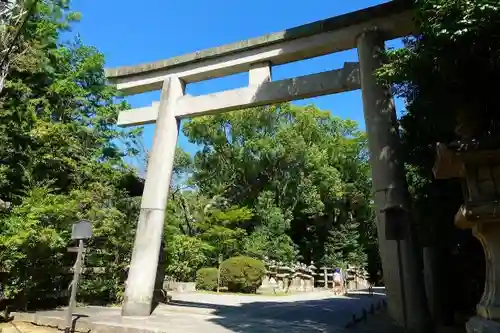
365, 30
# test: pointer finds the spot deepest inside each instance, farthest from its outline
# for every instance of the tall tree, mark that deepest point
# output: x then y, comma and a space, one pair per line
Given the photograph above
343, 247
270, 239
300, 167
13, 15
60, 161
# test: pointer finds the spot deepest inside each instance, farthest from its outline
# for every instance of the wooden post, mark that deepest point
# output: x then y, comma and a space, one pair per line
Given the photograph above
74, 287
218, 272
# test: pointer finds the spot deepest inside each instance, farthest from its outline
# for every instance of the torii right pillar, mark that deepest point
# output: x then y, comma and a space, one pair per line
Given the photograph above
399, 252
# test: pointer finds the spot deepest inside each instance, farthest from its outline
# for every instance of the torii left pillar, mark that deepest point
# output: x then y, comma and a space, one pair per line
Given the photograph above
140, 284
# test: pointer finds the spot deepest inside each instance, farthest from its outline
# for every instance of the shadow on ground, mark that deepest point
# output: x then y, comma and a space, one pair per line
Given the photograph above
318, 315
204, 313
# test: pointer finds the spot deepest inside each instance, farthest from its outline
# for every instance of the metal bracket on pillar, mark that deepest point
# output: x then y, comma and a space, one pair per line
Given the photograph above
396, 217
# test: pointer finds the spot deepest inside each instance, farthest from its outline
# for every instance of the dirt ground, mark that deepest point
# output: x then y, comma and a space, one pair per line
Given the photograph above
24, 328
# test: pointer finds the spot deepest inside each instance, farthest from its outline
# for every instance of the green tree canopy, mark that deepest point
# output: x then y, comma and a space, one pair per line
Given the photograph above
61, 159
301, 169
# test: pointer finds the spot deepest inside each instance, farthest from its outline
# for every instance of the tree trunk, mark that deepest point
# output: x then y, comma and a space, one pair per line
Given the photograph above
3, 74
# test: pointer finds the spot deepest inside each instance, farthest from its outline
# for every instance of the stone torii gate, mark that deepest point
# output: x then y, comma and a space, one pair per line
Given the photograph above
365, 30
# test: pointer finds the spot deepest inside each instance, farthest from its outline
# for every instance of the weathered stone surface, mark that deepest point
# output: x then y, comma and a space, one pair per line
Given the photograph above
480, 171
330, 82
180, 287
481, 325
142, 275
55, 319
330, 24
399, 253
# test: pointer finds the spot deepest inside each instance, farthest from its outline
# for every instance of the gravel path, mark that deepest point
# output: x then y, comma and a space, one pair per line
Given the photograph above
311, 312
211, 313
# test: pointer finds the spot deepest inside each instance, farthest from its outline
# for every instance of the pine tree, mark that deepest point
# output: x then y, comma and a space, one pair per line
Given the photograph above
343, 246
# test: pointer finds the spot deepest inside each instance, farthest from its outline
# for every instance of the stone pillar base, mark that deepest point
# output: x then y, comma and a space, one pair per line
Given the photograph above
481, 325
136, 309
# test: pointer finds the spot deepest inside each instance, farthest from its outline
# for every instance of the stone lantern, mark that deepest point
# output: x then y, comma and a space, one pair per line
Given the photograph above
479, 169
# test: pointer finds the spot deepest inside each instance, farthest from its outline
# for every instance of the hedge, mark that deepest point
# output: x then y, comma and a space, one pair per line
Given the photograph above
206, 279
242, 274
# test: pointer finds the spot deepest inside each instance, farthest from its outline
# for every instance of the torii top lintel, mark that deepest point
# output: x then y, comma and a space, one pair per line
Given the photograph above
394, 19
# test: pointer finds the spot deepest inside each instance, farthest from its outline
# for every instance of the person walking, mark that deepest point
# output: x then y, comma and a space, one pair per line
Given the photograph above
337, 282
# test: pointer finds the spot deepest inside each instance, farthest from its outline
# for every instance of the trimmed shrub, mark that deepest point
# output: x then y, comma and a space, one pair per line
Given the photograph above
242, 274
206, 279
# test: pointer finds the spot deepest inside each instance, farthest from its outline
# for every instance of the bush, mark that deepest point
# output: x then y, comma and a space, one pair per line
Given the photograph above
242, 274
206, 279
185, 255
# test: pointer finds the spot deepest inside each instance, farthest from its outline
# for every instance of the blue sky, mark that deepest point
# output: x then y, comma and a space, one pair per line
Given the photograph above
130, 32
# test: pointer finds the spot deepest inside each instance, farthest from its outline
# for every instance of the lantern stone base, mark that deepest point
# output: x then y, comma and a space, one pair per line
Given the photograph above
481, 325
479, 170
